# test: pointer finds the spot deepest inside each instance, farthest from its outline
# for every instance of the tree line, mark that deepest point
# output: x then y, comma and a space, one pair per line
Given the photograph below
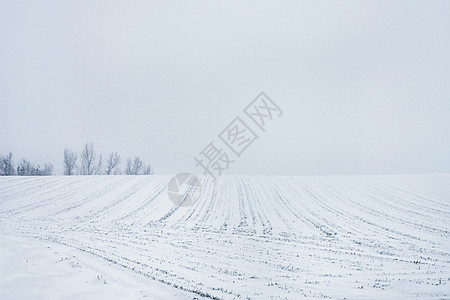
87, 163
24, 168
84, 163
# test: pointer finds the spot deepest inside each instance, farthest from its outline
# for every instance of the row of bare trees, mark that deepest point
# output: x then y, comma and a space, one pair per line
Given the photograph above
84, 163
24, 168
90, 164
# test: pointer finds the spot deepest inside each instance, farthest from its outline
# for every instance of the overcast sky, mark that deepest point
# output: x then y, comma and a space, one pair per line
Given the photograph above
364, 85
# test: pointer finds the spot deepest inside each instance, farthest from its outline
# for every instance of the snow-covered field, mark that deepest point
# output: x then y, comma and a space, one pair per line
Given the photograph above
248, 237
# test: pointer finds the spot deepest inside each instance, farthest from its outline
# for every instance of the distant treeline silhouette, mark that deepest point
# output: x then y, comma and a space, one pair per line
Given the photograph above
90, 165
24, 168
85, 163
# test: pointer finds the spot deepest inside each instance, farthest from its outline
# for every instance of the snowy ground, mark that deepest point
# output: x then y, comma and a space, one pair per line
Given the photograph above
353, 237
32, 269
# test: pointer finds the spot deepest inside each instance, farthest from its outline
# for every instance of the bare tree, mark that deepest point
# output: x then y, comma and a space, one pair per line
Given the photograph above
36, 171
136, 167
88, 159
112, 164
89, 166
147, 170
7, 165
129, 167
138, 164
70, 162
25, 168
48, 169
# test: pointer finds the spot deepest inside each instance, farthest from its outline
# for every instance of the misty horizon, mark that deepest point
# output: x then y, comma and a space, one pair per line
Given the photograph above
363, 88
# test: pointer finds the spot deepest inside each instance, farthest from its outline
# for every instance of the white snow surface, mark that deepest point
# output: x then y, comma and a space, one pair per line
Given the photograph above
247, 237
32, 269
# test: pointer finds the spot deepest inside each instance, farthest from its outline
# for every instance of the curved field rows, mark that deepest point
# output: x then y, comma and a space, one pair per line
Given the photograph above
251, 237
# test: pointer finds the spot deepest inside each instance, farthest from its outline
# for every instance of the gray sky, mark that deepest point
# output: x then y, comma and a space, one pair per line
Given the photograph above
364, 85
